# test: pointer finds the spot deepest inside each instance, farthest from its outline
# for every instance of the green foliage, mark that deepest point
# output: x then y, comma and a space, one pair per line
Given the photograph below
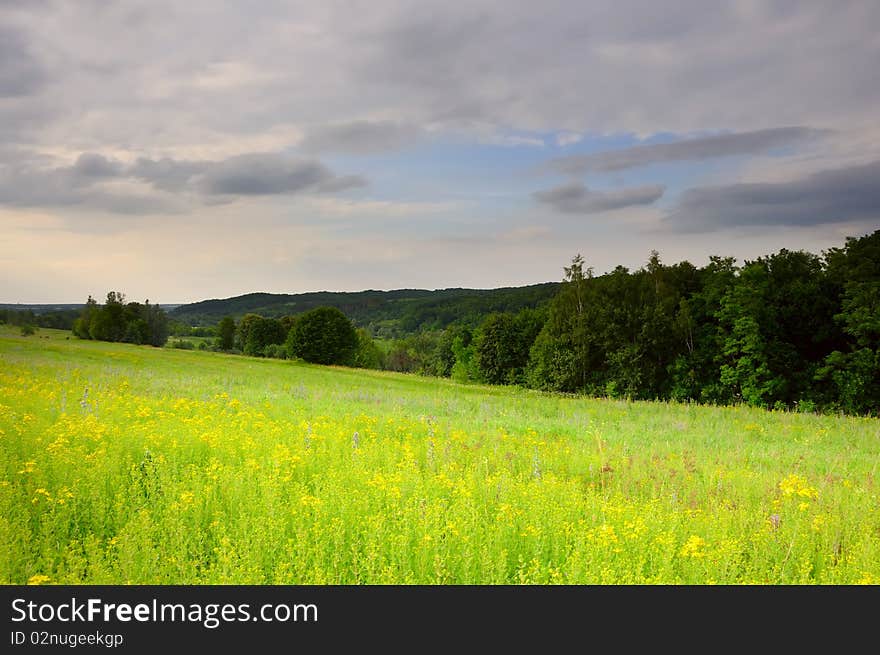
414, 354
443, 358
789, 330
502, 343
39, 316
28, 330
465, 368
784, 331
565, 351
367, 354
275, 351
386, 314
323, 336
262, 333
117, 320
109, 323
226, 333
745, 371
552, 365
854, 368
495, 348
243, 330
82, 325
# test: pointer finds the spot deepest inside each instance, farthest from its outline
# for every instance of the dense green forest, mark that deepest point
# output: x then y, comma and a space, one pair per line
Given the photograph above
385, 314
788, 330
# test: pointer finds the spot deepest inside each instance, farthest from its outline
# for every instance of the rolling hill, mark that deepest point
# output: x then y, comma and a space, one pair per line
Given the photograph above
387, 313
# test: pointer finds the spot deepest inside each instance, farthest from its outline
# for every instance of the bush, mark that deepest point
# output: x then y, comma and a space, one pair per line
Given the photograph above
323, 336
27, 330
275, 351
183, 344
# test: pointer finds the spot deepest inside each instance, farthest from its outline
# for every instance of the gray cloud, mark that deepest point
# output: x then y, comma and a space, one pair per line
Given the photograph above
254, 174
212, 80
95, 166
27, 181
167, 174
831, 196
268, 174
131, 76
69, 187
361, 137
628, 66
578, 199
20, 72
335, 184
708, 147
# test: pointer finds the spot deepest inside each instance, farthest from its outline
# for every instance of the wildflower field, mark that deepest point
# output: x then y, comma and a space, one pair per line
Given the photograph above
124, 464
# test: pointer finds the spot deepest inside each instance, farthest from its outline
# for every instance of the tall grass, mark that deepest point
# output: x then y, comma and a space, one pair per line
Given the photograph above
125, 464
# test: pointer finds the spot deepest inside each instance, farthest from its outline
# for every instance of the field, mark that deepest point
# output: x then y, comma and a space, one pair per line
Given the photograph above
125, 464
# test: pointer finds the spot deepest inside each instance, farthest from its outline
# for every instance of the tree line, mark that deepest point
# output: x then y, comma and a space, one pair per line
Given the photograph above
60, 319
387, 315
118, 320
323, 335
788, 330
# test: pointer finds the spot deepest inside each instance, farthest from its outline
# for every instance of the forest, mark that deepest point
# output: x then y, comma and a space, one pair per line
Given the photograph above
790, 330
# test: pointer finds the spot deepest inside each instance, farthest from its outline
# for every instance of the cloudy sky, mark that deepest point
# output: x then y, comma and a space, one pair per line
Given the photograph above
178, 151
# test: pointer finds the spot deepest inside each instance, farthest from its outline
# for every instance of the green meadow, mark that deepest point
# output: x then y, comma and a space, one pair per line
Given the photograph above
127, 464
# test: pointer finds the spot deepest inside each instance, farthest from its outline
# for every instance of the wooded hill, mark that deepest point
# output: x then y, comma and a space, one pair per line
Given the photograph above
386, 314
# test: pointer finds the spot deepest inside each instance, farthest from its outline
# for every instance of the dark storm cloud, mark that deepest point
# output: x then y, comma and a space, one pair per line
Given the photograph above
578, 199
361, 137
830, 196
723, 145
20, 72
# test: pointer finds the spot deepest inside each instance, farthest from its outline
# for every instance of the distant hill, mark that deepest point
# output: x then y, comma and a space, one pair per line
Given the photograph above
42, 309
385, 313
58, 307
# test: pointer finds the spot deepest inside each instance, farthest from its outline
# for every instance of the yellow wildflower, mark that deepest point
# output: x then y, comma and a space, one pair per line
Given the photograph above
693, 547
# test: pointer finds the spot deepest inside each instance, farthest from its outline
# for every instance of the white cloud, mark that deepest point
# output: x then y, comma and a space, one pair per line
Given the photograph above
568, 138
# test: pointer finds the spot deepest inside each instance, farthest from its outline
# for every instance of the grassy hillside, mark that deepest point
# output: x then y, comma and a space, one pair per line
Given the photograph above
390, 313
127, 464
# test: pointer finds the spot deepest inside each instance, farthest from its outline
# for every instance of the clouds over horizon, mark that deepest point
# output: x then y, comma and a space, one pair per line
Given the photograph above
842, 195
578, 199
693, 149
150, 73
717, 116
361, 137
94, 180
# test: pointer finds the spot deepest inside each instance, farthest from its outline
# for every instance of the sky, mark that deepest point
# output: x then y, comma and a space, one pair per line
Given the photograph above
177, 151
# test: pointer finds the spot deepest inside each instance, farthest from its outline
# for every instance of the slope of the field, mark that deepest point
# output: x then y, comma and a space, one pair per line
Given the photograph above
126, 464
